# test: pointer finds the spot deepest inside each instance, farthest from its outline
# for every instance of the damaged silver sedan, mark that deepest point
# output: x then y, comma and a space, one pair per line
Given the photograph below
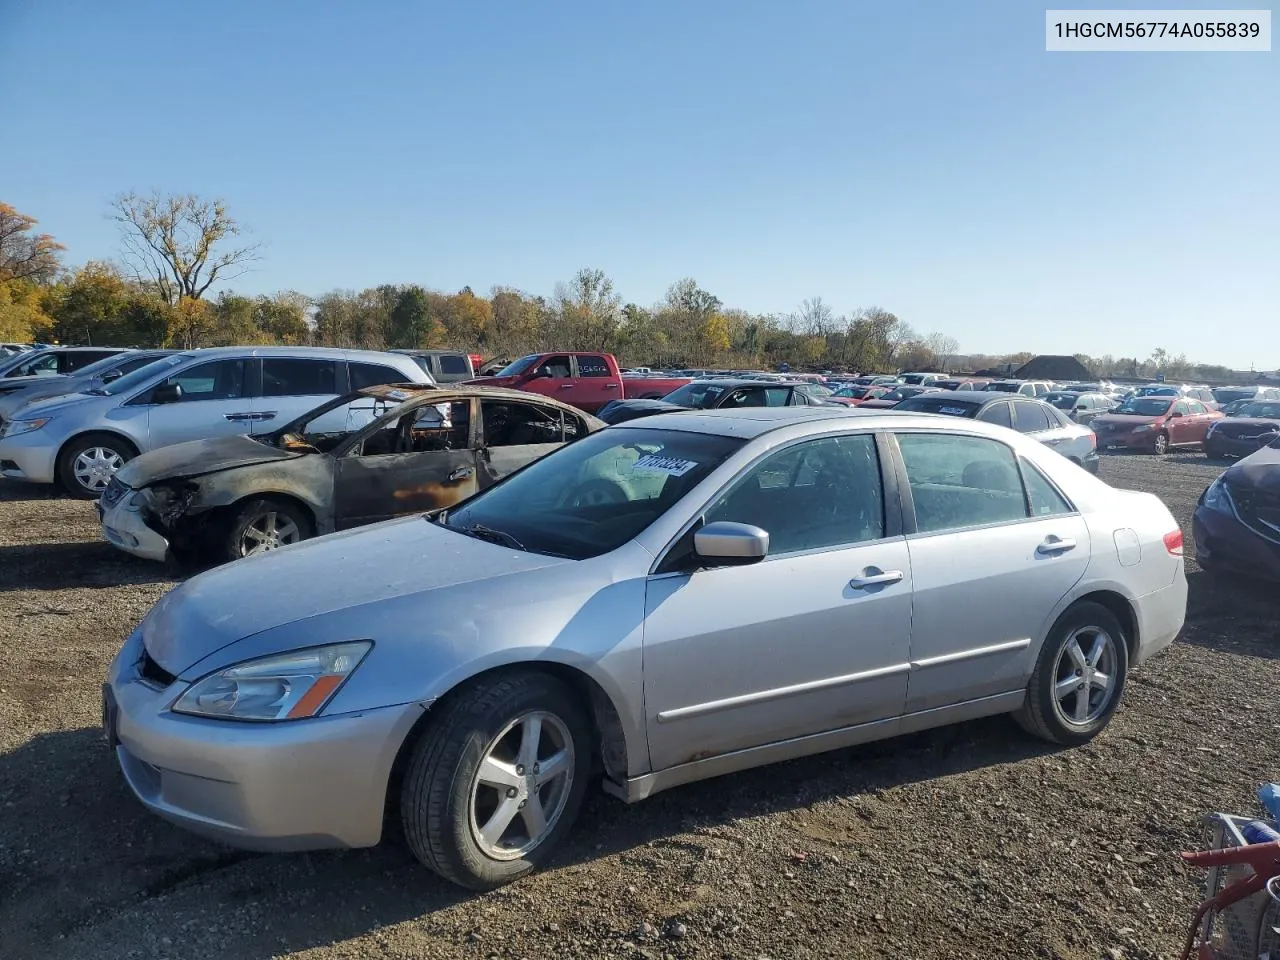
370, 455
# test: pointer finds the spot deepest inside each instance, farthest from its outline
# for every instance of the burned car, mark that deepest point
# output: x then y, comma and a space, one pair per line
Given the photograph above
1237, 521
369, 455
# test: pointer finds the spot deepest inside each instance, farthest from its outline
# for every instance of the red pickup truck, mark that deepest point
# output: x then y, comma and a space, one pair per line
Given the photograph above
586, 380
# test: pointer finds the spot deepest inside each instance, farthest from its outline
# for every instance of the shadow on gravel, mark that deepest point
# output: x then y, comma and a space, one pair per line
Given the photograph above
1232, 615
16, 490
77, 848
58, 566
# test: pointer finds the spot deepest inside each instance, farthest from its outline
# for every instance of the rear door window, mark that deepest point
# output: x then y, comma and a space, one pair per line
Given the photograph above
961, 481
453, 363
997, 413
299, 377
216, 380
1031, 417
373, 374
593, 366
510, 423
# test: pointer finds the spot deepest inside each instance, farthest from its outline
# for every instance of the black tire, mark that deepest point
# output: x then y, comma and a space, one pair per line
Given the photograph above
1041, 714
252, 512
437, 791
107, 444
1160, 445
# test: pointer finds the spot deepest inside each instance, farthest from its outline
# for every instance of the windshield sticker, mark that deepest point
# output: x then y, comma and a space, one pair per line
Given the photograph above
671, 466
954, 411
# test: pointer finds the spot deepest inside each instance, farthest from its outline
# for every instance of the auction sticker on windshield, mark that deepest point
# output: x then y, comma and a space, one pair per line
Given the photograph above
652, 463
954, 411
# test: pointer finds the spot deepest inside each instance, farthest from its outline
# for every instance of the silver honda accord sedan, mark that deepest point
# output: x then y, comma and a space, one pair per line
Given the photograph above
676, 598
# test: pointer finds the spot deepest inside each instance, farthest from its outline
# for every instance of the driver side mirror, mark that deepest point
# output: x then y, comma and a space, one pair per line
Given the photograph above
1176, 414
727, 544
167, 393
109, 377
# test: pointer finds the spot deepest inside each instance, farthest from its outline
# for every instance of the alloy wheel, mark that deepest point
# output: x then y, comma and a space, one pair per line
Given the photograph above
1162, 444
94, 467
270, 531
522, 785
1085, 676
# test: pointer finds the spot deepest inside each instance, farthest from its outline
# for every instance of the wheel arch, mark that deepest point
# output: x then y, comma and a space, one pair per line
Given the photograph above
97, 432
1120, 608
610, 752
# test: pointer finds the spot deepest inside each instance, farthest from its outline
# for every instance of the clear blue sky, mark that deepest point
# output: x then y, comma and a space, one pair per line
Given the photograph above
930, 158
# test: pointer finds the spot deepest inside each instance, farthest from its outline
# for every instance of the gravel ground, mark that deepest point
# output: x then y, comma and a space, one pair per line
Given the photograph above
972, 841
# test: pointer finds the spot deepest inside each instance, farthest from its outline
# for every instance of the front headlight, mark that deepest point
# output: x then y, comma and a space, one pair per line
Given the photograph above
285, 686
1144, 427
15, 427
1218, 497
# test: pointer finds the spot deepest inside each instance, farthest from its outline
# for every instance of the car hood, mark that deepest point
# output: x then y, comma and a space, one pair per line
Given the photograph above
1125, 419
198, 457
621, 410
1249, 422
55, 405
1258, 471
17, 383
350, 572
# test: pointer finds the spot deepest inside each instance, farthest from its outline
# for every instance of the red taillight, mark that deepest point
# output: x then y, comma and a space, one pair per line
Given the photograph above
1093, 440
1173, 542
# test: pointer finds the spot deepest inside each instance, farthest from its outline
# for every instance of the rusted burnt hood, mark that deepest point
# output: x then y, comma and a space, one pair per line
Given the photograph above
198, 457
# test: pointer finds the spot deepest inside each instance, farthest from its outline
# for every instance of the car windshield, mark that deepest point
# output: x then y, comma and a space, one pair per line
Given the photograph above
1157, 392
516, 367
1144, 407
103, 365
944, 405
592, 496
699, 395
1232, 394
142, 375
853, 393
1004, 387
1062, 400
1265, 408
815, 390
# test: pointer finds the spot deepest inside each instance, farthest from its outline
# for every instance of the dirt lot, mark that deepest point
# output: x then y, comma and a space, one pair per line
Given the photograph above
967, 842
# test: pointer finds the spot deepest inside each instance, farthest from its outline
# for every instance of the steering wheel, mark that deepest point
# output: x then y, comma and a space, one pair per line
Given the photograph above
594, 493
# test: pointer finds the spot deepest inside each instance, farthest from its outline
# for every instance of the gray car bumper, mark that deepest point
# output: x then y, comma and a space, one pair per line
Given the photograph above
294, 785
124, 527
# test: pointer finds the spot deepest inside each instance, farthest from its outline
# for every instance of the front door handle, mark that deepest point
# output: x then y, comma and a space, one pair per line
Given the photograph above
611, 386
265, 415
566, 386
1054, 545
461, 473
238, 416
873, 577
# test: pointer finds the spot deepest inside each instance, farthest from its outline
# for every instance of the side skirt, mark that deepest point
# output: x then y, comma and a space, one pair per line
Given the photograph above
646, 785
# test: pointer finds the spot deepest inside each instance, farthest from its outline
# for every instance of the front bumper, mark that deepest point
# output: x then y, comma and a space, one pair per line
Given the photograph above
1225, 544
1216, 446
293, 785
1127, 440
29, 456
123, 527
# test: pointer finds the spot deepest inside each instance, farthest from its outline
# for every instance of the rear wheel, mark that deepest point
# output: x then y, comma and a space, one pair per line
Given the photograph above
1079, 678
262, 525
87, 464
497, 779
1161, 444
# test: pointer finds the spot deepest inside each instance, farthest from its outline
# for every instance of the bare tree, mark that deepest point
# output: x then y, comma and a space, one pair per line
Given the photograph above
943, 348
814, 318
176, 243
25, 255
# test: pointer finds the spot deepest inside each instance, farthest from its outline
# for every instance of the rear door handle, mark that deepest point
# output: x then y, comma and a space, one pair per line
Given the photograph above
461, 473
611, 386
567, 386
1054, 545
874, 576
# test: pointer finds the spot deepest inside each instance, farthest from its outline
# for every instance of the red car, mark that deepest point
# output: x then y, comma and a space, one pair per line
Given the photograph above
1155, 424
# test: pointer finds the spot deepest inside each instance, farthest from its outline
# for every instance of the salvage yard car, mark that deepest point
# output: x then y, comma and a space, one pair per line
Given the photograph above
1248, 428
1035, 418
729, 393
763, 584
415, 448
1154, 423
82, 439
1237, 521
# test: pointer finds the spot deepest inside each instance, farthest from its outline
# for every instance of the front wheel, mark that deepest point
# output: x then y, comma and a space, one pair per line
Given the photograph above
1161, 444
87, 464
263, 525
497, 780
1079, 678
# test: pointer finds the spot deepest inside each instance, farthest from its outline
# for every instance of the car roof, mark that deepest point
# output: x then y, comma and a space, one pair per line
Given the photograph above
414, 392
746, 382
972, 396
750, 422
335, 353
